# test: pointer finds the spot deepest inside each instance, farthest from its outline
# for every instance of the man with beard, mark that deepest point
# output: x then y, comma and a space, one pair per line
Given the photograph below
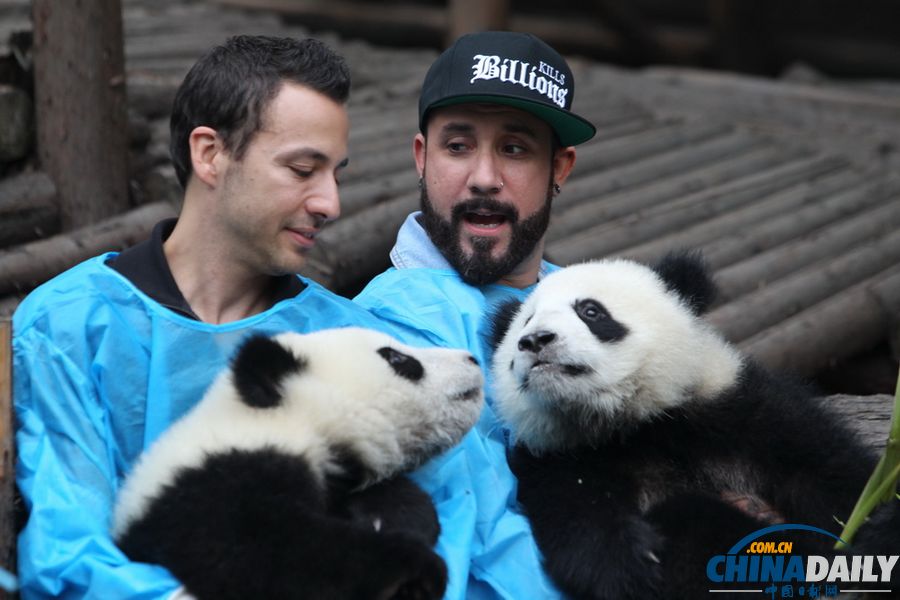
495, 146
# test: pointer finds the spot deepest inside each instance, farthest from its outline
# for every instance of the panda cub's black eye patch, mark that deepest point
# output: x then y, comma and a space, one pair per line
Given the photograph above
604, 327
403, 365
590, 310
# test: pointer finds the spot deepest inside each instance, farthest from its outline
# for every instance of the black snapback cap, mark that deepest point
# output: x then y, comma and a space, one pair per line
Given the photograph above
505, 67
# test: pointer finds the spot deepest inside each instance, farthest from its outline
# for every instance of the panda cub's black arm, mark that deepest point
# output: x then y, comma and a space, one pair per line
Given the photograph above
586, 521
500, 319
394, 505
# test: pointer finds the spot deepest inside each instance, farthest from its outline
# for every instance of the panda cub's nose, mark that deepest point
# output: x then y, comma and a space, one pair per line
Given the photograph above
534, 342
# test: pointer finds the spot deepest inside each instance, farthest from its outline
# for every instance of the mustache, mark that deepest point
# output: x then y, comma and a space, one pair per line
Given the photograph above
508, 211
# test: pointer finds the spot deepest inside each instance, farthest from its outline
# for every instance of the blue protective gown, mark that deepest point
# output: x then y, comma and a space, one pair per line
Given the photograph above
486, 542
100, 370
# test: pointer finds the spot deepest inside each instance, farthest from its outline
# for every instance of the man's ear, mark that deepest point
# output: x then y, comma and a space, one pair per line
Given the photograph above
207, 152
563, 161
419, 153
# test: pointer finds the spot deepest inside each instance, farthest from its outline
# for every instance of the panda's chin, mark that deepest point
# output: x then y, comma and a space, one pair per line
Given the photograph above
543, 376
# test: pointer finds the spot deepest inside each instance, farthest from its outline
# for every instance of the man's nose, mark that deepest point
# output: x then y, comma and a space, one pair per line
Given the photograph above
326, 204
485, 177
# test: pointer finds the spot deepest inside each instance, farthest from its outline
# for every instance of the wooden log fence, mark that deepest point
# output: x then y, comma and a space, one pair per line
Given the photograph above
8, 305
765, 206
851, 321
621, 226
28, 208
612, 199
25, 266
780, 260
769, 222
690, 183
782, 298
869, 416
7, 454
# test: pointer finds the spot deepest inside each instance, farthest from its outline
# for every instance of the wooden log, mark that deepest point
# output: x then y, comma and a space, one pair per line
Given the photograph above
757, 227
180, 45
741, 319
608, 113
390, 160
622, 226
662, 141
627, 126
28, 208
382, 126
837, 328
152, 95
7, 453
584, 205
82, 137
364, 194
154, 19
762, 94
692, 181
8, 305
397, 143
833, 240
855, 122
727, 251
351, 251
467, 16
869, 416
26, 266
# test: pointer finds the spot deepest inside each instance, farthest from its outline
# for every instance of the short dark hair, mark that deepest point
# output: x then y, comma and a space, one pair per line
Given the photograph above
232, 85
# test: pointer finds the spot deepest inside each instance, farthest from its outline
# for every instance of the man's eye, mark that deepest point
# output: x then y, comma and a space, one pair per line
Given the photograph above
302, 173
456, 147
514, 149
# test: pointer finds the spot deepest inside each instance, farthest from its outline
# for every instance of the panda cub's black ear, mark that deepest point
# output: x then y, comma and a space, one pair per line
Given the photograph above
258, 369
686, 273
501, 318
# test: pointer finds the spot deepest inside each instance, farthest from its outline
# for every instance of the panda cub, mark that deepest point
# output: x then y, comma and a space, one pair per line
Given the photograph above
284, 481
632, 418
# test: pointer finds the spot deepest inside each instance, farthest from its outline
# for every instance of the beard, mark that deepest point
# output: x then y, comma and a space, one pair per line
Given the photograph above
480, 267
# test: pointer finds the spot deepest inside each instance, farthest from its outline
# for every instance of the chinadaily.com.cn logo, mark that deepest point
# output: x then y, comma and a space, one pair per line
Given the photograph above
770, 568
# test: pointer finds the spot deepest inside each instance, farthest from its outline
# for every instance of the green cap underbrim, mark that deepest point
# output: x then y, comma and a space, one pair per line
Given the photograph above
569, 127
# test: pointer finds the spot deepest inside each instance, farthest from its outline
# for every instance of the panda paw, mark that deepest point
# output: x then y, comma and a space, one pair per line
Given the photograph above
427, 582
625, 566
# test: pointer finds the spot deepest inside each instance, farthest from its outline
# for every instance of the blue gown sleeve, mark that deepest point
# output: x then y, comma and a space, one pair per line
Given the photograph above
66, 476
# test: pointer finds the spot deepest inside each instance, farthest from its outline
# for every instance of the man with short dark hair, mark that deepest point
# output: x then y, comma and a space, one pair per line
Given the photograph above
495, 145
108, 354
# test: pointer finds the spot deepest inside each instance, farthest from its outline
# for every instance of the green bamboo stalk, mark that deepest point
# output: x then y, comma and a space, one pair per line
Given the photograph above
882, 485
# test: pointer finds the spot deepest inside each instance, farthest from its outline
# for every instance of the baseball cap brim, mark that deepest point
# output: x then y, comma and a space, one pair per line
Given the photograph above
570, 129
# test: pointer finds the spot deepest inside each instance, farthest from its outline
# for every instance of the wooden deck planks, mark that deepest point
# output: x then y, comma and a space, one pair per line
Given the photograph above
780, 184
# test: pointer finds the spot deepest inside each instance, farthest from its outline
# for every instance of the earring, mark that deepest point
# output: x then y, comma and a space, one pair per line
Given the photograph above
556, 188
421, 183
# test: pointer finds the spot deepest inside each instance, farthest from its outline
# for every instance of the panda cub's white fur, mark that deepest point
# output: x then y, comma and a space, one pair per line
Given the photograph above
628, 380
341, 408
634, 421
